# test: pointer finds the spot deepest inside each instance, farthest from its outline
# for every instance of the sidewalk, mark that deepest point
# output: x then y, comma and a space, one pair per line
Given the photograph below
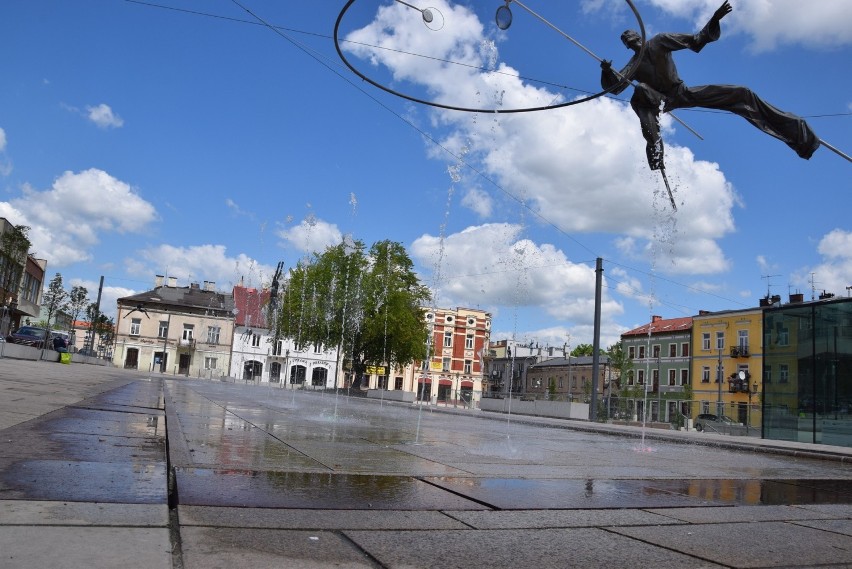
91, 459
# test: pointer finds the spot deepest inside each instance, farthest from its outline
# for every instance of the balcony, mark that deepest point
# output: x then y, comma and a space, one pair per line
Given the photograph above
739, 351
188, 343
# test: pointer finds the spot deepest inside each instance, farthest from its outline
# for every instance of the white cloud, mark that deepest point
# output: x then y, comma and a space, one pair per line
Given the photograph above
478, 201
69, 219
109, 295
823, 24
5, 165
199, 263
312, 235
583, 168
492, 265
103, 116
834, 273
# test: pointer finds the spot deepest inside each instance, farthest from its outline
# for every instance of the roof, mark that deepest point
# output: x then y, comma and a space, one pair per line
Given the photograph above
573, 360
250, 306
662, 326
188, 297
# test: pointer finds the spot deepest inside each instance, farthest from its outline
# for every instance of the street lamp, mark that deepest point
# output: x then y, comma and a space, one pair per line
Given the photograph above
743, 377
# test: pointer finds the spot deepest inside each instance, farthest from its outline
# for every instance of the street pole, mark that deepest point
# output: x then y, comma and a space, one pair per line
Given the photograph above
719, 405
596, 342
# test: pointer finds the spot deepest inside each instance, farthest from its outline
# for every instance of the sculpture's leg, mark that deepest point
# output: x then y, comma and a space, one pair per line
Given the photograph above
668, 189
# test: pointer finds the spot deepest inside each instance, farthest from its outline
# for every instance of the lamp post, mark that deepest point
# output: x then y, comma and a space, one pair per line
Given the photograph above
719, 405
750, 392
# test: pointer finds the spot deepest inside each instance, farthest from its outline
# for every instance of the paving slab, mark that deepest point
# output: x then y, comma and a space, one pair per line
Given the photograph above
35, 512
728, 514
538, 548
317, 519
540, 519
555, 493
91, 547
215, 548
249, 488
83, 481
754, 544
836, 526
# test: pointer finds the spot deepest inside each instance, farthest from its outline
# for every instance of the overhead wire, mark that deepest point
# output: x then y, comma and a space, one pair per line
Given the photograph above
320, 58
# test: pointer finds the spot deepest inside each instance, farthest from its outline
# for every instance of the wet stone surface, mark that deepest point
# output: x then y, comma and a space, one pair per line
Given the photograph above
260, 489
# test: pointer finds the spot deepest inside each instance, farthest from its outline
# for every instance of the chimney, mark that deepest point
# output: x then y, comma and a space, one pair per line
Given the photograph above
158, 281
655, 318
194, 286
826, 295
211, 286
797, 298
703, 312
173, 282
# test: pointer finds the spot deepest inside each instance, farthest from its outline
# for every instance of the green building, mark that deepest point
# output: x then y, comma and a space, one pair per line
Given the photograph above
807, 371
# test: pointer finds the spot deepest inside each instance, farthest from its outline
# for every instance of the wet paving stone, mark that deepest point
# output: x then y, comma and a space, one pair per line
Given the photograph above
141, 483
263, 489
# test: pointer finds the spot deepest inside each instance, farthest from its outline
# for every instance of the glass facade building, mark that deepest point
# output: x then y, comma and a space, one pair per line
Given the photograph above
807, 372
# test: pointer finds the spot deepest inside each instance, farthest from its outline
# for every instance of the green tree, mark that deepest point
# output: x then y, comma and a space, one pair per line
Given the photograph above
54, 300
78, 300
584, 350
618, 359
101, 327
14, 245
366, 303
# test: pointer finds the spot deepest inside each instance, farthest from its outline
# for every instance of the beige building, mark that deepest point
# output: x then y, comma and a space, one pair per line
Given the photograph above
177, 330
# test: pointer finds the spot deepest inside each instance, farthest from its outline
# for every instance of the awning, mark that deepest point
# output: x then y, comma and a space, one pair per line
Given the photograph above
445, 382
467, 385
424, 380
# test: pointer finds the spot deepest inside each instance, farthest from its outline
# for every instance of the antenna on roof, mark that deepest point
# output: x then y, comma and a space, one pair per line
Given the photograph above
768, 284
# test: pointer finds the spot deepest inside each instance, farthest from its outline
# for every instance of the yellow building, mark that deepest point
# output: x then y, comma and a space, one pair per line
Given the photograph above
727, 363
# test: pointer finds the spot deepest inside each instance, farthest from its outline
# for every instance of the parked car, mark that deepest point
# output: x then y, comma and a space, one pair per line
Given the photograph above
34, 336
28, 336
714, 422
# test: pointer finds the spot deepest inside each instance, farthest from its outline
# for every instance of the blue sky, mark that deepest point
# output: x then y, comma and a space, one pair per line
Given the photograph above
184, 137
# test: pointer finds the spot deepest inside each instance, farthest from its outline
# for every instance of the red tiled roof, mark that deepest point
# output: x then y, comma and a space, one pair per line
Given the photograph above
662, 326
250, 305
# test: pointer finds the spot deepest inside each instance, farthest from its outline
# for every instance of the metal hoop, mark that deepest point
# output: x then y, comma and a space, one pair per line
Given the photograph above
627, 75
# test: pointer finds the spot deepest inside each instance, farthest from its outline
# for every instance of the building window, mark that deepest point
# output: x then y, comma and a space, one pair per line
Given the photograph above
448, 339
767, 374
468, 366
164, 329
684, 350
672, 350
705, 341
742, 340
684, 377
255, 340
641, 376
209, 363
213, 334
631, 352
672, 376
655, 350
317, 348
445, 364
468, 342
705, 374
783, 373
135, 326
188, 330
783, 337
641, 352
720, 340
630, 377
